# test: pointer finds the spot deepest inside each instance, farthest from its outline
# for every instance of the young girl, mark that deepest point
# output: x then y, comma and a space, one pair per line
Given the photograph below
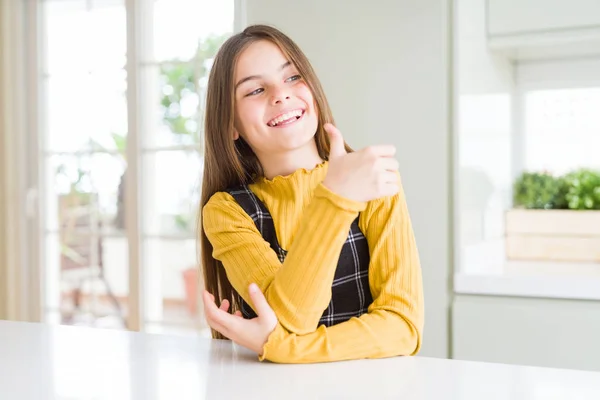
308, 244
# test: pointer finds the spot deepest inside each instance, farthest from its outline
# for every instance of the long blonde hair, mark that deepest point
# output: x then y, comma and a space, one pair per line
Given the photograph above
230, 163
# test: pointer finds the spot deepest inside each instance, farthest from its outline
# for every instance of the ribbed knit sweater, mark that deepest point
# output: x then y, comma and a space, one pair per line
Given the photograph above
312, 224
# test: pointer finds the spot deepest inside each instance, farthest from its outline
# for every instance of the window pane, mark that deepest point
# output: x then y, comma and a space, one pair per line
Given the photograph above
65, 51
171, 192
86, 110
562, 129
179, 107
180, 96
171, 278
172, 93
77, 38
86, 279
177, 55
179, 25
86, 262
107, 46
85, 266
84, 132
91, 185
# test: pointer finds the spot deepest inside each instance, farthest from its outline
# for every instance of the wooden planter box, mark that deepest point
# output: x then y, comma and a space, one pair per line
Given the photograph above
553, 235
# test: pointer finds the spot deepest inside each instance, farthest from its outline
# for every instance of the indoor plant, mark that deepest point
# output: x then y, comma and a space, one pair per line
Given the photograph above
555, 218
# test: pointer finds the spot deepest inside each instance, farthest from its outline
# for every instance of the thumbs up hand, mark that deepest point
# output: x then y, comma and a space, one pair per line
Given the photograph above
337, 148
363, 175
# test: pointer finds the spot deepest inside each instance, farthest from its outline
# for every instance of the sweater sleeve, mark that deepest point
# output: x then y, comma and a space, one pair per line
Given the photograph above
299, 289
394, 323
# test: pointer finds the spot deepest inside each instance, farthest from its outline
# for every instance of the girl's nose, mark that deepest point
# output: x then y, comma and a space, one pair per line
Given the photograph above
280, 96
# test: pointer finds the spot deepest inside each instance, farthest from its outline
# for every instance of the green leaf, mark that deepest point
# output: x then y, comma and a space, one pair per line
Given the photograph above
583, 189
539, 190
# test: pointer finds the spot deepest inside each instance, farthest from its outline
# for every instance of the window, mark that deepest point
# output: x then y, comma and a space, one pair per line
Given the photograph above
562, 129
536, 116
121, 168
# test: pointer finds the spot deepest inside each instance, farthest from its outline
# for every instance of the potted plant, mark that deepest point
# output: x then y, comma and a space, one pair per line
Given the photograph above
555, 218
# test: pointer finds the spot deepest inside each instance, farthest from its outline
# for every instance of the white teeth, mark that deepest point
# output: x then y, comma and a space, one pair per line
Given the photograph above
284, 117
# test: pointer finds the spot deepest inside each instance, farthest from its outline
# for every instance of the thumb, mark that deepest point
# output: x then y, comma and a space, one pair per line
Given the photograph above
262, 307
336, 141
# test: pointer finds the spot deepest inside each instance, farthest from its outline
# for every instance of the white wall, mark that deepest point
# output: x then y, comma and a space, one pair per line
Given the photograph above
385, 69
484, 88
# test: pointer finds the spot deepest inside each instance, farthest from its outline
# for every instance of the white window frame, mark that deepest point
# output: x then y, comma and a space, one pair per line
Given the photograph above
31, 291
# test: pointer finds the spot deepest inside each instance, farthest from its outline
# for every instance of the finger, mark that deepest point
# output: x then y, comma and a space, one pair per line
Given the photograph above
389, 189
389, 176
336, 141
238, 313
209, 304
219, 319
210, 312
212, 322
388, 164
262, 307
382, 150
225, 305
208, 295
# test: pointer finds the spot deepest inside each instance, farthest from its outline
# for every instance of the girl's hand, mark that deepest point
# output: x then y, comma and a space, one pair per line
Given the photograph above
364, 175
250, 333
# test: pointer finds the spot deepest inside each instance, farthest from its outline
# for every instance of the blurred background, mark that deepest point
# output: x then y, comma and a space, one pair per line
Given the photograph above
109, 158
494, 106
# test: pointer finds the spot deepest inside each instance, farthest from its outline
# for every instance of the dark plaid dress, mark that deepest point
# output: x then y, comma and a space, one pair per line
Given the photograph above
350, 292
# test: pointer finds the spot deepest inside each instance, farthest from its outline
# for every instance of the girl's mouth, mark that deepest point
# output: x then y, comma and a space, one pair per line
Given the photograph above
287, 118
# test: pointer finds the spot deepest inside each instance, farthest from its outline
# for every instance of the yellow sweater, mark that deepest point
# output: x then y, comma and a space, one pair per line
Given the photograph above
312, 224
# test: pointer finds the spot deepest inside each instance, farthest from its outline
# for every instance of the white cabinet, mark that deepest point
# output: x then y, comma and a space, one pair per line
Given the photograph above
528, 331
534, 29
518, 17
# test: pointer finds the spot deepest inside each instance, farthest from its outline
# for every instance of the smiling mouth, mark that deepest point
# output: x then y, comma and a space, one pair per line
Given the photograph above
286, 119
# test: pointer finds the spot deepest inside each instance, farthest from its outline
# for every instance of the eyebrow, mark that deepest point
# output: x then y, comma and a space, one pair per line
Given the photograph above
251, 77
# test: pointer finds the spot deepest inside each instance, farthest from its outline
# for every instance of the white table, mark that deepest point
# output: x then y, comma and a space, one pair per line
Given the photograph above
57, 362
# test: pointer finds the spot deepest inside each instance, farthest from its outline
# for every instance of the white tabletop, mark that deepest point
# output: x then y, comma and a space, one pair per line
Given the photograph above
58, 362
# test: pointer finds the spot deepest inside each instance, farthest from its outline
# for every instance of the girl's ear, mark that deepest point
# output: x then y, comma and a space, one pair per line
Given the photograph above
236, 135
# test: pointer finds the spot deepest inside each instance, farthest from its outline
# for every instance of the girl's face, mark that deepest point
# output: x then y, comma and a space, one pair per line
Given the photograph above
275, 110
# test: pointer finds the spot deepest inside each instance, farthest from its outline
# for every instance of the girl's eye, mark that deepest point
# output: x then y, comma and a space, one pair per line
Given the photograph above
255, 92
260, 90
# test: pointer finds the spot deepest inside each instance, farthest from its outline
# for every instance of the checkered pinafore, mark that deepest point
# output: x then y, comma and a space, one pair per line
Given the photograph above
350, 292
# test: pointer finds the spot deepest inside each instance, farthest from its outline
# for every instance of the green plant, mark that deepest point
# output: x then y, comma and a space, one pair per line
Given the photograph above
583, 189
182, 82
539, 190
